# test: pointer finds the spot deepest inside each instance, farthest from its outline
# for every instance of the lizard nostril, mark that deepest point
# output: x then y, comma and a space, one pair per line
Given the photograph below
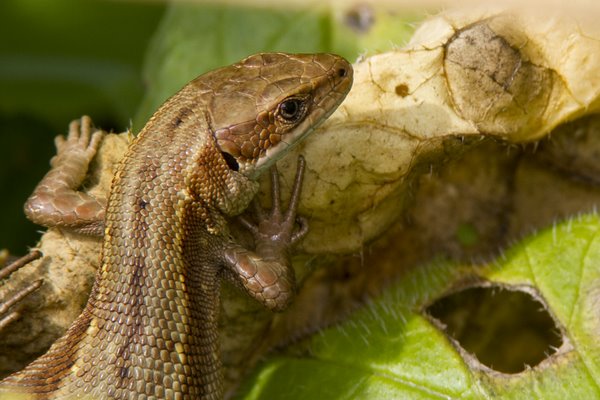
342, 72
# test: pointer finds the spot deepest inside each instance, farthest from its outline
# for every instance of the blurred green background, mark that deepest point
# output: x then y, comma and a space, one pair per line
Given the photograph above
61, 59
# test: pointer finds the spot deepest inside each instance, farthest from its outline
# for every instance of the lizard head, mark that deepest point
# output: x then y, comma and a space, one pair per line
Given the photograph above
264, 105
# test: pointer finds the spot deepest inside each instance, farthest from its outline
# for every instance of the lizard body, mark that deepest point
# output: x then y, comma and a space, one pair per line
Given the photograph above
149, 329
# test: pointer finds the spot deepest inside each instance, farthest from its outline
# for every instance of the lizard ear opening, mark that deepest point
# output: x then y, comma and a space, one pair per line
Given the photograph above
231, 161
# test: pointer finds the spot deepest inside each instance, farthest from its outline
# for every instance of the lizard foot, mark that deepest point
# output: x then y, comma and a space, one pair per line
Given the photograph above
7, 317
80, 145
277, 230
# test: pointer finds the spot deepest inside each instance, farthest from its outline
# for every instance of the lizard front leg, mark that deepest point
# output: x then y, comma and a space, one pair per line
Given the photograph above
56, 200
266, 273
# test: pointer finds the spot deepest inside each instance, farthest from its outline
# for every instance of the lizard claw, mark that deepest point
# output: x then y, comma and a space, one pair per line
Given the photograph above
300, 232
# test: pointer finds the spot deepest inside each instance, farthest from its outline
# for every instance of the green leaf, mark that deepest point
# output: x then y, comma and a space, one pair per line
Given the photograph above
392, 350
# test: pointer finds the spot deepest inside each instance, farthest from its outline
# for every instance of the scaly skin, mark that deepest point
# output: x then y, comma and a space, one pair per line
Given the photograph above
149, 329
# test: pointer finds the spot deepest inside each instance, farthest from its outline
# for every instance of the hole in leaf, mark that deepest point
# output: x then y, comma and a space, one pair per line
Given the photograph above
506, 330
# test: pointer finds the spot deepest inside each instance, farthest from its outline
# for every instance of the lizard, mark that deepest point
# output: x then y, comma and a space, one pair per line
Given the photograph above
149, 328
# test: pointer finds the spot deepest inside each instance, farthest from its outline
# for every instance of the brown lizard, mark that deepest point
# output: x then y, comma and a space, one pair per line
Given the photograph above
149, 329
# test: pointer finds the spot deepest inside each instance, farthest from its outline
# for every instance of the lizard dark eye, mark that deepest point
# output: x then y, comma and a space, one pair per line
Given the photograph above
231, 161
291, 110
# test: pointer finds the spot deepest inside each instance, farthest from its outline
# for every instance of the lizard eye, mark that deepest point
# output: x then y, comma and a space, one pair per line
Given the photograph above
292, 109
231, 161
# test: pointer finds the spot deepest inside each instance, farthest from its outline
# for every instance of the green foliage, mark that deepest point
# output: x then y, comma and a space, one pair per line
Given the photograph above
392, 350
61, 59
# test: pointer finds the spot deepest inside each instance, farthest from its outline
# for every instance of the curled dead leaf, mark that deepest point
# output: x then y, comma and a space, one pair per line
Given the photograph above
465, 75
